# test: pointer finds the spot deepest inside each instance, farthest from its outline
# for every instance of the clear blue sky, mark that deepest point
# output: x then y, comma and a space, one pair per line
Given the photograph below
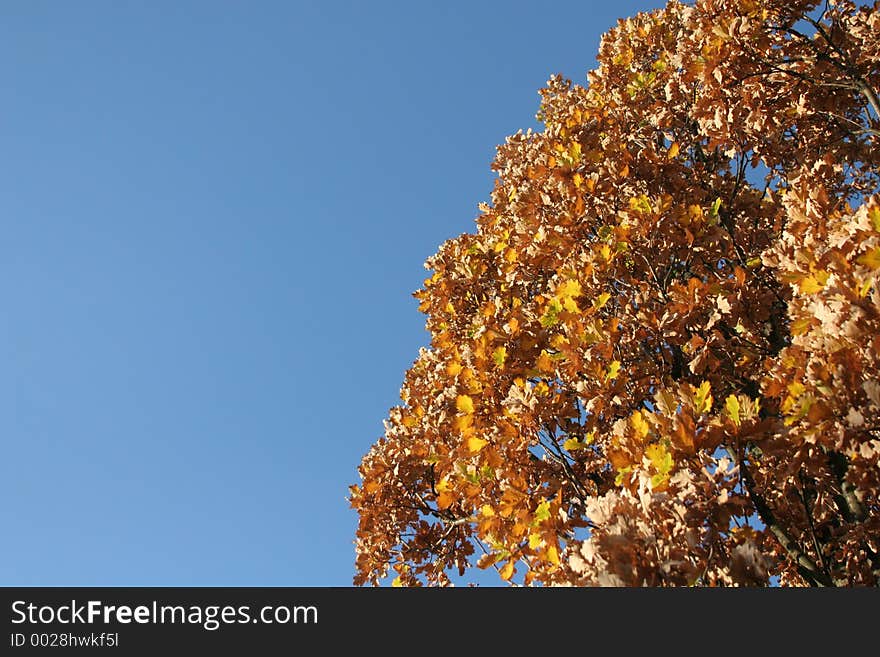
213, 216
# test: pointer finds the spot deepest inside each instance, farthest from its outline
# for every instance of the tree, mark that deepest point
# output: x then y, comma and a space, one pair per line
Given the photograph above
656, 361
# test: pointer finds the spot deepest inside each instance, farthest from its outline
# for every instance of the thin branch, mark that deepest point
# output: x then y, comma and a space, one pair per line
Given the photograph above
847, 502
816, 545
806, 566
858, 130
873, 100
558, 457
488, 554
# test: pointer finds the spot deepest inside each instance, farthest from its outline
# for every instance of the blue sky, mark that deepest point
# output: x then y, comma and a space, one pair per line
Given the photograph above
213, 217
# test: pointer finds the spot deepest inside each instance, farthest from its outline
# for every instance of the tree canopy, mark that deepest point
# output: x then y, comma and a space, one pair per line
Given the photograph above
655, 362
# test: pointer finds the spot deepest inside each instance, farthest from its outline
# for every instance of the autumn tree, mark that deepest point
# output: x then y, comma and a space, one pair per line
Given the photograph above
656, 360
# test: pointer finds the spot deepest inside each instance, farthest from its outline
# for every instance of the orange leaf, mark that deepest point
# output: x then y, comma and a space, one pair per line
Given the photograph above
445, 500
544, 363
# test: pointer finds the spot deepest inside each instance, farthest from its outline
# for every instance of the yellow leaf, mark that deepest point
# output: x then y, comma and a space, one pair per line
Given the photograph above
572, 444
570, 288
476, 444
874, 214
810, 285
613, 370
535, 541
658, 481
731, 405
703, 398
621, 476
641, 203
601, 300
795, 390
569, 304
558, 341
499, 356
464, 404
542, 512
453, 368
464, 424
639, 424
870, 259
605, 252
551, 316
553, 555
507, 571
396, 582
801, 326
578, 180
487, 511
673, 150
660, 458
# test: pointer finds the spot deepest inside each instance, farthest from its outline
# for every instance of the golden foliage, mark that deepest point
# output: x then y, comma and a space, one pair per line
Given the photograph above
666, 324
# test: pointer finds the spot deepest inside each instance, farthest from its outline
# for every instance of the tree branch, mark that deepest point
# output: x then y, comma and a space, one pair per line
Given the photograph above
806, 566
847, 501
809, 513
